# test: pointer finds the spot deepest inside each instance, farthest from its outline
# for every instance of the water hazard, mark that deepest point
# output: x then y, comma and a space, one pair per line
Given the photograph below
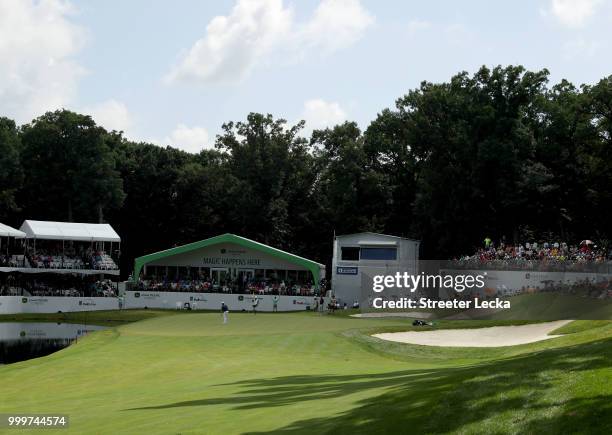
21, 341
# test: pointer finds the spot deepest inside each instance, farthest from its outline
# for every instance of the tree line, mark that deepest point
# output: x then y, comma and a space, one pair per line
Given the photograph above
500, 153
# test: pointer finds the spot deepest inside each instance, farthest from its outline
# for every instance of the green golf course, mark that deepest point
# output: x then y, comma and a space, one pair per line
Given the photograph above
172, 373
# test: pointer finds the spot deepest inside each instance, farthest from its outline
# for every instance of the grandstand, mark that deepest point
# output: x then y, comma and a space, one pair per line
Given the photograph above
70, 245
49, 260
586, 256
583, 267
226, 268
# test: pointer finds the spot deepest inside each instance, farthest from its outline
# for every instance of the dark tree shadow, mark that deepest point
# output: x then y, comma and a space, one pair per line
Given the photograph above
444, 400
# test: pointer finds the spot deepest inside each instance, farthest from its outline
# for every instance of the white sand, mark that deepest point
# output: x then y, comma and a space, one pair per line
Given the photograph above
495, 336
411, 315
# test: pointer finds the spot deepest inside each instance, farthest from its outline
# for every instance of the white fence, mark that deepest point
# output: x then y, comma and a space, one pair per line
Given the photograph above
212, 301
154, 299
53, 304
44, 331
504, 281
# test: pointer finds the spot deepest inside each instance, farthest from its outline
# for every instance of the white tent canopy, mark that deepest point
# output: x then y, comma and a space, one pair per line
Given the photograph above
6, 231
69, 231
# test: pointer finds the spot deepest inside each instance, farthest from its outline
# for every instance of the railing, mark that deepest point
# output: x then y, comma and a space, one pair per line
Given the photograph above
58, 262
287, 291
20, 291
529, 265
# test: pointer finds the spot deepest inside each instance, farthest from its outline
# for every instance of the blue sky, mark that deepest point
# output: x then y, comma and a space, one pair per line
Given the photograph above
173, 72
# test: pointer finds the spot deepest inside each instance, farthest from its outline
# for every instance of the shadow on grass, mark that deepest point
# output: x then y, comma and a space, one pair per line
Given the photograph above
526, 394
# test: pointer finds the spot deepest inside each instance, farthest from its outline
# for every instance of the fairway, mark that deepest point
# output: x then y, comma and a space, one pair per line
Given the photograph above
310, 373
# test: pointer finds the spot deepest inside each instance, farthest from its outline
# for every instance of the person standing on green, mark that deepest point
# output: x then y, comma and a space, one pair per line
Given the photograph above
275, 303
254, 303
487, 242
225, 311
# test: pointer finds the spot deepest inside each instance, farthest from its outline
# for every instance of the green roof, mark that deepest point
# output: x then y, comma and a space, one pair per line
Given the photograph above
312, 266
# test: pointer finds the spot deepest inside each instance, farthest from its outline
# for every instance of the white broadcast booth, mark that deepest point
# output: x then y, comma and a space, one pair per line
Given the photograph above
358, 257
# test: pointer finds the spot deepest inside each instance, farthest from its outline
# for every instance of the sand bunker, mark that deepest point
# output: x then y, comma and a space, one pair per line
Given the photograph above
495, 336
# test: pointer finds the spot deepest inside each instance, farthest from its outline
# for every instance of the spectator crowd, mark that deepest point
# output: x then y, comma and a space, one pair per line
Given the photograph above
544, 256
260, 286
32, 286
69, 259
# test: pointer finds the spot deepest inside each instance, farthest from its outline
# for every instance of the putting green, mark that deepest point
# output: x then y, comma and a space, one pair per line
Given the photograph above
304, 372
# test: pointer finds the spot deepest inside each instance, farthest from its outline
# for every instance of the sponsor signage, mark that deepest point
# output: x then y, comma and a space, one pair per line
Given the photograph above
231, 257
147, 295
224, 261
343, 270
35, 301
197, 299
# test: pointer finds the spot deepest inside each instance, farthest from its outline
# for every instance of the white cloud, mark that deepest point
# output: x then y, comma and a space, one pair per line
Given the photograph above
320, 114
573, 13
38, 43
256, 30
336, 24
110, 114
233, 44
190, 139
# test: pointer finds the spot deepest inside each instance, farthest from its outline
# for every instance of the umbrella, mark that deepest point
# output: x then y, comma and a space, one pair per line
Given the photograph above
587, 242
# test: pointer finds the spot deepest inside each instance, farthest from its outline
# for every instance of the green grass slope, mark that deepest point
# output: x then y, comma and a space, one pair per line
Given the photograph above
306, 373
543, 306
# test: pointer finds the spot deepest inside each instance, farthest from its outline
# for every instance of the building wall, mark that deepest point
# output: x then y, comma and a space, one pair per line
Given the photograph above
351, 279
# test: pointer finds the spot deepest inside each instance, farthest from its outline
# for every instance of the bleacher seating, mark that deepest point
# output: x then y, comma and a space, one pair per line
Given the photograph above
98, 261
103, 261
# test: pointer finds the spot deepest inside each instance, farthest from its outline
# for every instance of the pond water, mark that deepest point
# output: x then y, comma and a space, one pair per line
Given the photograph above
20, 341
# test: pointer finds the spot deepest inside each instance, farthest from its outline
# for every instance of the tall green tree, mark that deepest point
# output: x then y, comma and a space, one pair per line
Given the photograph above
496, 153
271, 174
353, 192
71, 169
470, 139
150, 218
564, 132
597, 157
388, 151
11, 173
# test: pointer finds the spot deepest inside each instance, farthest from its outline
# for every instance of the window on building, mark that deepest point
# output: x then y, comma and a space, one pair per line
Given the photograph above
379, 253
349, 253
